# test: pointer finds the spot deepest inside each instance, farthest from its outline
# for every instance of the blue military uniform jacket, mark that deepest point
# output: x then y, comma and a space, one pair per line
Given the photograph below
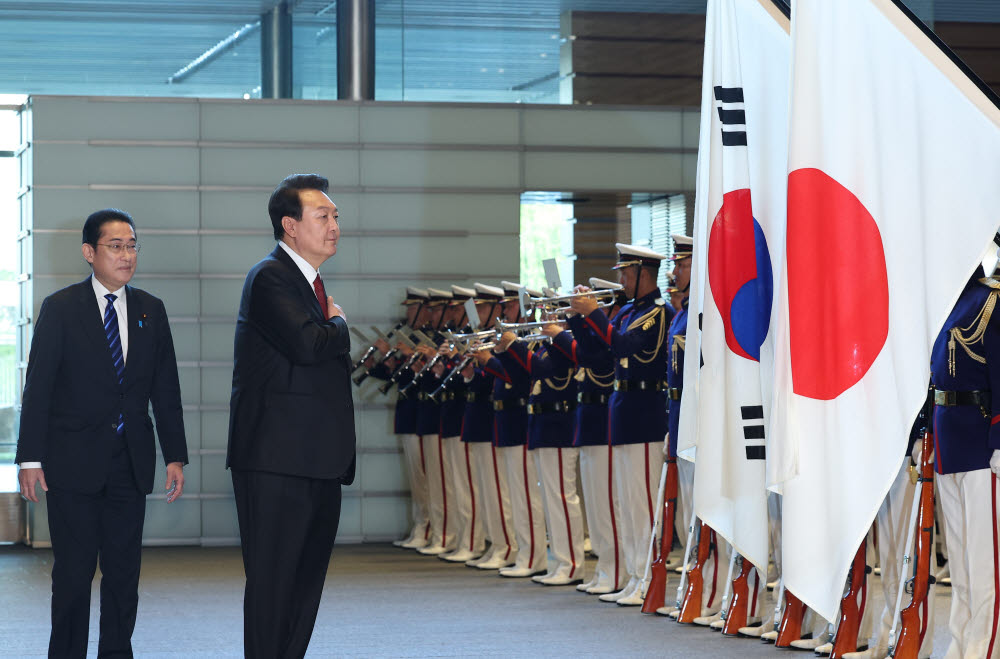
966, 358
452, 402
595, 378
405, 417
553, 395
510, 403
676, 337
637, 340
477, 422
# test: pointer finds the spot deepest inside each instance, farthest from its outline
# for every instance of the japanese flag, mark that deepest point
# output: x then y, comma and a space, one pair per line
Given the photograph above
894, 158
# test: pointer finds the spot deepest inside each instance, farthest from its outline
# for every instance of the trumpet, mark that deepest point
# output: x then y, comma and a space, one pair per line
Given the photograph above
560, 303
470, 336
520, 328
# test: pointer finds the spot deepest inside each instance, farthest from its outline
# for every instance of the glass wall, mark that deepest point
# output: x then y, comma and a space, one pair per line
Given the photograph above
10, 138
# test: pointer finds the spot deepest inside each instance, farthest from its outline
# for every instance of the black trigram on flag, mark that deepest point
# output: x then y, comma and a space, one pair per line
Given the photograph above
732, 115
753, 430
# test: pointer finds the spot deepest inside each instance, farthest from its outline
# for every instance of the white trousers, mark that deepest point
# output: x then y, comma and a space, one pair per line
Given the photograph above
563, 515
969, 509
468, 517
439, 492
527, 509
602, 518
493, 499
414, 459
685, 499
636, 472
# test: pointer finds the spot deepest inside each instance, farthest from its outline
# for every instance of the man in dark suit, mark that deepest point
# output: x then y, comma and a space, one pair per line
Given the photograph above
100, 354
291, 424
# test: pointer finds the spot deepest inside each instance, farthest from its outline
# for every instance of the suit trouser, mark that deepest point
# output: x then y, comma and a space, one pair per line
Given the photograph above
526, 507
969, 507
494, 499
563, 515
417, 472
85, 528
602, 517
288, 525
468, 513
636, 472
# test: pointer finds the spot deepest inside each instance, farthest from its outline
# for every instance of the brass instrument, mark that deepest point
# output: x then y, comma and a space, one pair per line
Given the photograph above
559, 304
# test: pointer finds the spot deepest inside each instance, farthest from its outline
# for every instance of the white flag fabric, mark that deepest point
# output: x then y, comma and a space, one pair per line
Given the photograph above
738, 241
894, 158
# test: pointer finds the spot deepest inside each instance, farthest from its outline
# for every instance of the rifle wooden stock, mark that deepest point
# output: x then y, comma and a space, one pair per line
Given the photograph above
790, 628
691, 606
913, 618
739, 603
656, 594
846, 639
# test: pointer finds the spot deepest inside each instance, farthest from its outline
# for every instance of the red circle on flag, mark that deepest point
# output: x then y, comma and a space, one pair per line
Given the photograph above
838, 289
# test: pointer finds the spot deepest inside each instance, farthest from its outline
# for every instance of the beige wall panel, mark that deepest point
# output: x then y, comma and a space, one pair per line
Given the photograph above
93, 119
690, 174
604, 171
221, 297
180, 519
217, 341
180, 296
691, 121
216, 384
350, 520
603, 128
385, 517
374, 426
440, 169
187, 343
267, 167
215, 479
465, 212
215, 428
438, 125
242, 210
67, 209
55, 253
233, 254
383, 472
190, 380
79, 164
461, 256
218, 519
192, 475
192, 431
278, 122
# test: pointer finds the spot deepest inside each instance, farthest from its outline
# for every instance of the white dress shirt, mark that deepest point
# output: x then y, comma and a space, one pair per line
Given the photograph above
307, 270
121, 308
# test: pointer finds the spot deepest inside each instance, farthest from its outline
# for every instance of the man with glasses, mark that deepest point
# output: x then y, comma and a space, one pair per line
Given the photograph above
101, 352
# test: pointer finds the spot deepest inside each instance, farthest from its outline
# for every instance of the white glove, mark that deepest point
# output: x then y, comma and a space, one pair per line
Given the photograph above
917, 452
995, 463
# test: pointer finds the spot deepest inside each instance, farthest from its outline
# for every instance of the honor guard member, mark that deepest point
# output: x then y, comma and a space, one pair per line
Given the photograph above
443, 537
451, 392
405, 420
638, 406
551, 425
510, 406
595, 376
492, 495
965, 372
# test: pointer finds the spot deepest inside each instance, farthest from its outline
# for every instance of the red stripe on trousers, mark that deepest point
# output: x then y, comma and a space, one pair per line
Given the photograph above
715, 568
531, 517
756, 589
472, 493
996, 566
444, 493
611, 499
423, 470
503, 518
649, 495
569, 530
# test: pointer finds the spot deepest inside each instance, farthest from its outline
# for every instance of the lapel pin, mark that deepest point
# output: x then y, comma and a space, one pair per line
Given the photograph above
142, 320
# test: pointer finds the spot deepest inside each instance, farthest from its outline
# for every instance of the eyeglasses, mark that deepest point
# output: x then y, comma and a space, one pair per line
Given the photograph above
117, 248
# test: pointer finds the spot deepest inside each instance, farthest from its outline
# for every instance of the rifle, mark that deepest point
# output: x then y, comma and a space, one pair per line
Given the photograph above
656, 571
913, 619
790, 628
426, 368
846, 639
691, 607
394, 378
737, 612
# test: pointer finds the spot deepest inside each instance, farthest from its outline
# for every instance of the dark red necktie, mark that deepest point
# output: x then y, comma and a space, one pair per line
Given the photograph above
321, 295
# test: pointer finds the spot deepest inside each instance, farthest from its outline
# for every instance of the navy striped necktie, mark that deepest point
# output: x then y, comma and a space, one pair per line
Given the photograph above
115, 343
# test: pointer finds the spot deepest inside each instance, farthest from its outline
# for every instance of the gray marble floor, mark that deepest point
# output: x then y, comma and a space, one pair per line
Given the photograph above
379, 601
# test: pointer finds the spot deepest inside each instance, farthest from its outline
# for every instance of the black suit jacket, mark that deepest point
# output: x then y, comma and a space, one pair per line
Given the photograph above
72, 398
291, 410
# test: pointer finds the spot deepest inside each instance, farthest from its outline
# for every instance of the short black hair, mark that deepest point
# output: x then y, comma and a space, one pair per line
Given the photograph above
285, 198
92, 227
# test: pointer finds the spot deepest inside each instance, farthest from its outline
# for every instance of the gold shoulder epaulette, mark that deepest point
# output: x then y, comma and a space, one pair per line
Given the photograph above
991, 282
967, 336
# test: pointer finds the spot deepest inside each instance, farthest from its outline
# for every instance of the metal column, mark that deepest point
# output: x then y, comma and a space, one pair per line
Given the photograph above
276, 52
356, 50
